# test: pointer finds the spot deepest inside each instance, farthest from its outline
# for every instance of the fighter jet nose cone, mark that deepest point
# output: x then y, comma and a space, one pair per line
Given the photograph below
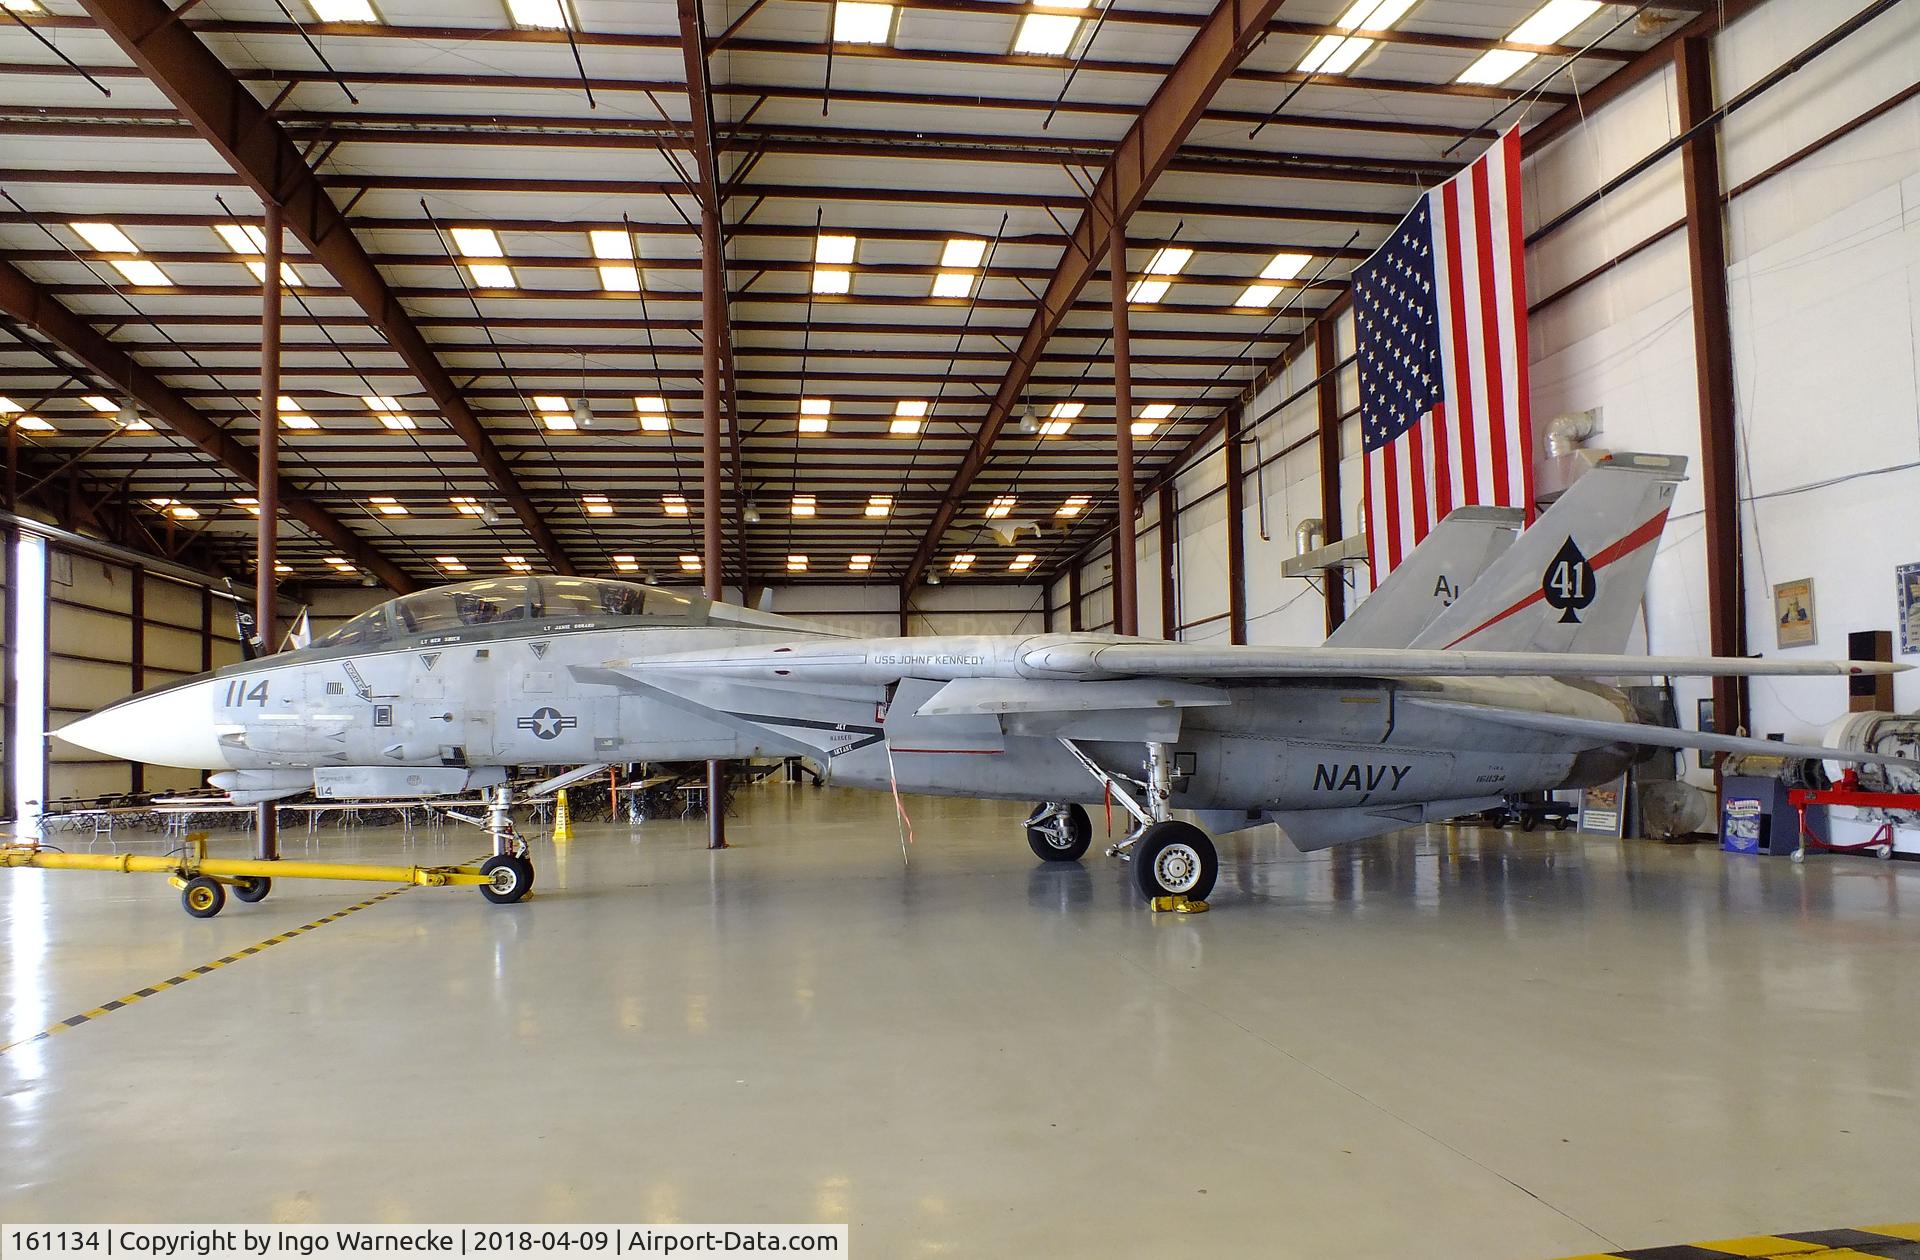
170, 727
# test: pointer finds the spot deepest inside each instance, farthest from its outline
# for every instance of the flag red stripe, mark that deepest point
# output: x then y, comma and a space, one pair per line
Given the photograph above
1497, 429
1390, 491
1517, 247
1417, 478
1442, 468
1456, 353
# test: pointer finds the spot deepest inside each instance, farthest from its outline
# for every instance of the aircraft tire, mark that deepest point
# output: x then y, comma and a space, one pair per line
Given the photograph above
252, 888
203, 897
1175, 859
1049, 845
512, 879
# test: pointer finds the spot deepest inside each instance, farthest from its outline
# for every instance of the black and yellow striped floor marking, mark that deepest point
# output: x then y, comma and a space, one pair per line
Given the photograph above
1899, 1241
174, 982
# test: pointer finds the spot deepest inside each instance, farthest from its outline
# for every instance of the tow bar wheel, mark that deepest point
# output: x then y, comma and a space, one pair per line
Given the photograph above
1175, 859
252, 888
203, 897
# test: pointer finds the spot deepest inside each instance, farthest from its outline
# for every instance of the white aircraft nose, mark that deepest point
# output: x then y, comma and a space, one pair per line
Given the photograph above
173, 727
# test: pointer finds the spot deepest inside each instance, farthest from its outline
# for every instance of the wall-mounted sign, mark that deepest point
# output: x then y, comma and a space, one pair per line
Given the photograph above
1908, 576
1793, 614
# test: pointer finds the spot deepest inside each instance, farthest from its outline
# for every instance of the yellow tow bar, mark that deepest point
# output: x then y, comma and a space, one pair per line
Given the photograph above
203, 881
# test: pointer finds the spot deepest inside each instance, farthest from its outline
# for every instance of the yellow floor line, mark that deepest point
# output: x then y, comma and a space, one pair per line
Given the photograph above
1862, 1243
174, 982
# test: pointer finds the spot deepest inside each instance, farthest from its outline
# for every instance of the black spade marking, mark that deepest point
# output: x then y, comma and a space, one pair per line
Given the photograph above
1568, 582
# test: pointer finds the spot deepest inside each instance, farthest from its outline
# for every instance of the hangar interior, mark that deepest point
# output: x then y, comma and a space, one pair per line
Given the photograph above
944, 318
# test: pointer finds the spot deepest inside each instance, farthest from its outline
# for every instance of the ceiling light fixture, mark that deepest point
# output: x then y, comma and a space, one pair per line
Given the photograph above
1550, 23
861, 22
1336, 54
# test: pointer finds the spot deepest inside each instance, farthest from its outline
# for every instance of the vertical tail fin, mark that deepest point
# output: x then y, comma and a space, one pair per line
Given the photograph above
1573, 582
1447, 561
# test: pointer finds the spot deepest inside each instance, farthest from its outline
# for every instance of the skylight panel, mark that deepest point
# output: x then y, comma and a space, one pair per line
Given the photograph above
280, 568
963, 253
1496, 65
1336, 54
961, 563
1148, 291
250, 504
342, 564
467, 505
860, 563
549, 402
814, 413
1067, 410
596, 505
1257, 296
1285, 266
831, 280
909, 415
242, 238
673, 504
879, 505
796, 564
1169, 260
804, 505
101, 403
288, 276
343, 10
493, 275
615, 278
452, 564
1022, 562
540, 15
612, 244
8, 407
1073, 505
626, 564
1001, 506
387, 505
559, 422
105, 238
690, 564
517, 564
653, 415
953, 284
862, 23
295, 420
142, 273
477, 242
1049, 34
1554, 21
1151, 416
32, 424
834, 251
398, 422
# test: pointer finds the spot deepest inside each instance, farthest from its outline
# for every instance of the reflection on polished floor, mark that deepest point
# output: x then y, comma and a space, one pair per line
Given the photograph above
1449, 1043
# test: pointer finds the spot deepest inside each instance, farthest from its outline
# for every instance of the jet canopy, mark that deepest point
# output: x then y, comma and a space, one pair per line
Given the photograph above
520, 601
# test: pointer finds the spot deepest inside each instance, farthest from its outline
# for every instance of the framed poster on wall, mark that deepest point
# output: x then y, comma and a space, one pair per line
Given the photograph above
1908, 578
1793, 614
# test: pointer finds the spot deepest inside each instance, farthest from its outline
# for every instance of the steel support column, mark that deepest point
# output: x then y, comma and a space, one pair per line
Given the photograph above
1169, 557
1126, 592
712, 325
266, 830
1326, 354
1713, 376
1236, 529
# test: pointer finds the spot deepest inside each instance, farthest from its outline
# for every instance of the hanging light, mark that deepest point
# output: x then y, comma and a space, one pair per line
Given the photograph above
582, 414
752, 514
1030, 421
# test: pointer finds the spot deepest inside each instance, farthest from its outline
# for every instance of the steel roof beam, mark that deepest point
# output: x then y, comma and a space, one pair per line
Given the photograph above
252, 143
26, 302
1162, 126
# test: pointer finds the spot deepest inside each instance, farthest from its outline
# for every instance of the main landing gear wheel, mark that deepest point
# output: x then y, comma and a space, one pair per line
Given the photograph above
252, 888
1059, 833
203, 897
511, 878
1174, 859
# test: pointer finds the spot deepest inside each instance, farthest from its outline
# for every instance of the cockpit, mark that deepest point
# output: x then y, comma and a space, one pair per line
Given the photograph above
520, 601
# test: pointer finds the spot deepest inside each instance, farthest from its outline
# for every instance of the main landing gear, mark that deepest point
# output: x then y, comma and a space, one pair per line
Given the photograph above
1174, 863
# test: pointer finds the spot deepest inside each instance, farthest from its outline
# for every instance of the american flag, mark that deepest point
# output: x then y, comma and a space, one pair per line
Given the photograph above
1441, 312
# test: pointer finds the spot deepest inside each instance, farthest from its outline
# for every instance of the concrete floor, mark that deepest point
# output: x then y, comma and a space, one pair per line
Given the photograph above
1442, 1044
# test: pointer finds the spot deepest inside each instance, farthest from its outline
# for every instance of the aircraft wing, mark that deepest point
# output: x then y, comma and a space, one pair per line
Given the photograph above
1638, 733
1187, 660
1093, 657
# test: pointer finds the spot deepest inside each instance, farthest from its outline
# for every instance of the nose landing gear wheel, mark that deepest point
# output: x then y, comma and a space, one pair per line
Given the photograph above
203, 897
251, 888
1175, 859
512, 879
1057, 834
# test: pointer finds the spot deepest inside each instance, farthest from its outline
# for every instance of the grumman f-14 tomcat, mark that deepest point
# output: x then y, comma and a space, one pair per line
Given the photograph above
1426, 705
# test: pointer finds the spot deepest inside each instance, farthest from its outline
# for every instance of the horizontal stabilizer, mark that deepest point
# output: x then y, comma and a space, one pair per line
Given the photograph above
1655, 736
